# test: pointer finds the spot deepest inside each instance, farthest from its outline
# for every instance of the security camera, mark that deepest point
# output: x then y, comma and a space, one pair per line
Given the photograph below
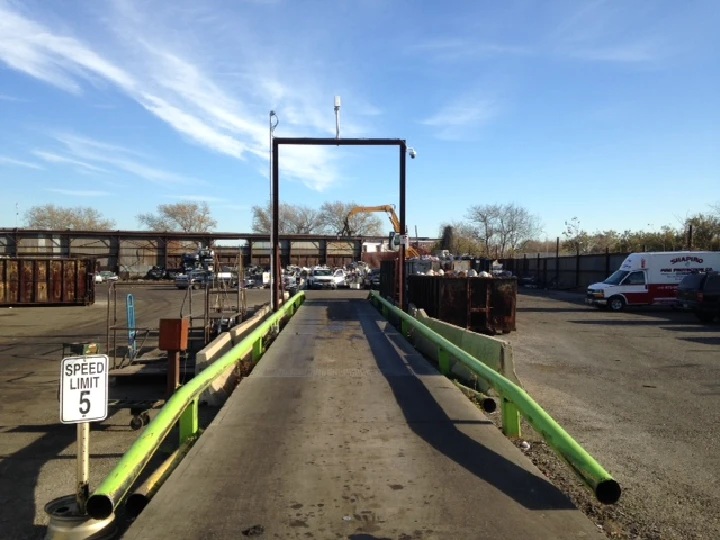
412, 153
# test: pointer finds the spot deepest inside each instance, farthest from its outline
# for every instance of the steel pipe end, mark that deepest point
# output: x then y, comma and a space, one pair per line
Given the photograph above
135, 504
489, 405
608, 491
100, 506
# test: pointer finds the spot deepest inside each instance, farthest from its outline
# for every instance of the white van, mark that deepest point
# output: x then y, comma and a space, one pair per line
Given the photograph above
650, 278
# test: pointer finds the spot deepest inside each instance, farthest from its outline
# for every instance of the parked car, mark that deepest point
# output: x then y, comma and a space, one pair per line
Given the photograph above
105, 275
372, 280
321, 278
196, 280
700, 293
340, 278
156, 273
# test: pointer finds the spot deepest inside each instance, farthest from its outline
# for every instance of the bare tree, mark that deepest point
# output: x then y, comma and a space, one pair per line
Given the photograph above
53, 217
293, 219
576, 239
333, 216
484, 220
460, 238
184, 217
503, 228
516, 225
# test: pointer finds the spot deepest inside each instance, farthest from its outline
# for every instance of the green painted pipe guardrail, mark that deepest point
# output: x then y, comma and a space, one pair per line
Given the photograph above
182, 407
515, 401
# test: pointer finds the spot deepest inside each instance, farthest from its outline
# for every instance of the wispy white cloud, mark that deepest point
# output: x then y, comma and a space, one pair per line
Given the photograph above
79, 192
119, 157
19, 163
630, 53
158, 72
456, 49
193, 128
55, 158
455, 121
60, 60
597, 32
5, 97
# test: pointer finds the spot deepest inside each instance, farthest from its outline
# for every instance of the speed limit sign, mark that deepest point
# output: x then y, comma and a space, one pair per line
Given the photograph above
84, 389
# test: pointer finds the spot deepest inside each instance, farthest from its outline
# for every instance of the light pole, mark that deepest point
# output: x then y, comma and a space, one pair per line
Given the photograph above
272, 125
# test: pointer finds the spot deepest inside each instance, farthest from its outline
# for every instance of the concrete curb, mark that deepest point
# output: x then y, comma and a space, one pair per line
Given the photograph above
221, 388
493, 352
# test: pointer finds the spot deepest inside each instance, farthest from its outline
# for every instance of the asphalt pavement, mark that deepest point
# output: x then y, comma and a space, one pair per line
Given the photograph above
37, 452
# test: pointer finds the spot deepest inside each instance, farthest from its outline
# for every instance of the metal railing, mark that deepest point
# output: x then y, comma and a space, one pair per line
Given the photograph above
182, 409
514, 402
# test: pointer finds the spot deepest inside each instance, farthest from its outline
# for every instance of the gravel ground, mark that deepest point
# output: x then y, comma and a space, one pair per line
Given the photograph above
640, 390
37, 453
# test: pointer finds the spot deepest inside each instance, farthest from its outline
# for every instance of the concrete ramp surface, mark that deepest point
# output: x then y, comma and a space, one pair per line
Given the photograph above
344, 431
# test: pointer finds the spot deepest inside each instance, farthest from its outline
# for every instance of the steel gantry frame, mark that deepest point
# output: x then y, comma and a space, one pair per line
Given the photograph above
326, 141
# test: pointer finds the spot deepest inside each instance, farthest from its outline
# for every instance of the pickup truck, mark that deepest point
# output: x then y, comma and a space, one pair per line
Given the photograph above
322, 278
700, 293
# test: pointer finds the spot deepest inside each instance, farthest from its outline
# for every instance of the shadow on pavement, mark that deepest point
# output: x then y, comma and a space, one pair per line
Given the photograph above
710, 340
20, 472
439, 431
551, 310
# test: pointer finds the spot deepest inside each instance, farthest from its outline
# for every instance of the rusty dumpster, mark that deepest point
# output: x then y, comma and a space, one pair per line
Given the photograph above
485, 305
46, 282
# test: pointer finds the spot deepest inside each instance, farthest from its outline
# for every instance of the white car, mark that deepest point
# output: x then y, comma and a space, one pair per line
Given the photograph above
339, 277
105, 275
321, 278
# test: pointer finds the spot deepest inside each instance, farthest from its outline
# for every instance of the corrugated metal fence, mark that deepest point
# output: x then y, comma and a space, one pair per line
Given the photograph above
566, 271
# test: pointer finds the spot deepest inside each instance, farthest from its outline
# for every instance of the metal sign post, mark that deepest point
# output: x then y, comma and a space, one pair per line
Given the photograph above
84, 399
83, 465
132, 332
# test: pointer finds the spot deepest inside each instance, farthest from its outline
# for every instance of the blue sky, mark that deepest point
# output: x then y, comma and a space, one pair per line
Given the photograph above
607, 111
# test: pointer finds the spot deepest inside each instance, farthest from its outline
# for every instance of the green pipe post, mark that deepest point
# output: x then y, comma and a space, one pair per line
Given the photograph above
112, 490
510, 418
606, 488
189, 422
257, 350
444, 361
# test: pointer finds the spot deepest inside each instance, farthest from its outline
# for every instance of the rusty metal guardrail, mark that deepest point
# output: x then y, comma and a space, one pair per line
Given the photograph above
514, 402
182, 409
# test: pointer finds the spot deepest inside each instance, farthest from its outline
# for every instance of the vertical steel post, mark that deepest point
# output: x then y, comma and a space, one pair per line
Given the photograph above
273, 239
83, 465
274, 251
173, 374
403, 228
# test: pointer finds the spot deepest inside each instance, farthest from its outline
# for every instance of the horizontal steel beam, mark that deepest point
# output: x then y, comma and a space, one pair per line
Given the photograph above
330, 141
172, 235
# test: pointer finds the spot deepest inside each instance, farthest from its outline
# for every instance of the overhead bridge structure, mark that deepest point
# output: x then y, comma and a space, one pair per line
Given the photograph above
134, 252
